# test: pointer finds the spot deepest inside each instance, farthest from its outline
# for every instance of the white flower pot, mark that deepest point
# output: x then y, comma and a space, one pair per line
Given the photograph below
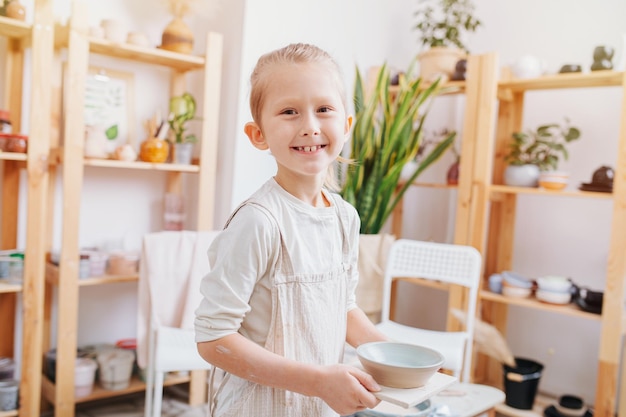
522, 175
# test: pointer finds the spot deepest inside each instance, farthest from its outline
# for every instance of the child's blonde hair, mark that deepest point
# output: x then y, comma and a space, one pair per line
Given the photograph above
295, 53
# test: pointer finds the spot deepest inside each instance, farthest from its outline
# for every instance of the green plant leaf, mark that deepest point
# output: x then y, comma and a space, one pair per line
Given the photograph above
112, 132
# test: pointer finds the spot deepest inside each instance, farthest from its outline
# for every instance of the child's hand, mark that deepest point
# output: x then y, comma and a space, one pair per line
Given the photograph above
347, 389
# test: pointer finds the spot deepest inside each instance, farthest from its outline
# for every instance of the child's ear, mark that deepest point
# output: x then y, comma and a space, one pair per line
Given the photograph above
348, 126
255, 135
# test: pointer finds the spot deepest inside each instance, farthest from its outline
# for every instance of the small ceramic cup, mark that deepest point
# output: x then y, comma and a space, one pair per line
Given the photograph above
113, 30
137, 38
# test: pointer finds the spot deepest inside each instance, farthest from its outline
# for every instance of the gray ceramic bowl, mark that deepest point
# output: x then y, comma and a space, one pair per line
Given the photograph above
399, 365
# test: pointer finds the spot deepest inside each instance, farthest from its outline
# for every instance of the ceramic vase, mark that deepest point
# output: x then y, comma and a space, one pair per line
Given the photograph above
177, 37
602, 56
15, 10
522, 175
183, 153
439, 62
154, 150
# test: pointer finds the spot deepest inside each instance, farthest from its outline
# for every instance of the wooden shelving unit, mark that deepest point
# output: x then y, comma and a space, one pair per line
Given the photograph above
33, 39
79, 48
493, 231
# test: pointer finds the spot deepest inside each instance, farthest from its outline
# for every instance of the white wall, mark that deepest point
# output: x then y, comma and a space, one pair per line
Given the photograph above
365, 33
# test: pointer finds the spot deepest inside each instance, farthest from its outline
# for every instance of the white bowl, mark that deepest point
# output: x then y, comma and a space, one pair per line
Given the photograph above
515, 292
554, 283
399, 365
553, 297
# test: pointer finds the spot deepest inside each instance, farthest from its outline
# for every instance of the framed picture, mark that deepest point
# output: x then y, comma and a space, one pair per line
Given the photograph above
109, 104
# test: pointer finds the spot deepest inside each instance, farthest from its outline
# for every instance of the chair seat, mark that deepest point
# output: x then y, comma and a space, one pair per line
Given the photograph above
450, 344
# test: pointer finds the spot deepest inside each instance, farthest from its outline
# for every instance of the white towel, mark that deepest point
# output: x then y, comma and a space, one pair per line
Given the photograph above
171, 268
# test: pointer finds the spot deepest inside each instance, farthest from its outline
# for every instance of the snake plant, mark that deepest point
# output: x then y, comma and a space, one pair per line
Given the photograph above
387, 133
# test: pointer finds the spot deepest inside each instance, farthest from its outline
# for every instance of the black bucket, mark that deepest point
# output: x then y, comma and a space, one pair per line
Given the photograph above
521, 382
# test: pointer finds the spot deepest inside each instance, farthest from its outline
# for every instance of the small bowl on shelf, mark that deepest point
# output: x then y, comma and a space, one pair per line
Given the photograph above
554, 283
552, 297
399, 365
553, 180
513, 291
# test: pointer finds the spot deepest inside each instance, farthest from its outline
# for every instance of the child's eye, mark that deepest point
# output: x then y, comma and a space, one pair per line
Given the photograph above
324, 109
288, 111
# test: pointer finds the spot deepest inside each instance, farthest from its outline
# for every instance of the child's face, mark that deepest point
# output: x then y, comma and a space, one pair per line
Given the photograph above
303, 120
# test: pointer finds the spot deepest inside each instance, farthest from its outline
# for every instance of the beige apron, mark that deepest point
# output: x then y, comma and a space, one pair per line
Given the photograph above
308, 325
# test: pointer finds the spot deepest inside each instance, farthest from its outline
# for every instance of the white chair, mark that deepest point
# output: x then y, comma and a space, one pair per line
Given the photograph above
172, 266
448, 264
174, 349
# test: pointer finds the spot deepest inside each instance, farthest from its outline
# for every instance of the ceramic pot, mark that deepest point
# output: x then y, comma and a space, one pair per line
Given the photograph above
528, 66
154, 150
177, 37
452, 176
439, 62
183, 153
522, 175
15, 10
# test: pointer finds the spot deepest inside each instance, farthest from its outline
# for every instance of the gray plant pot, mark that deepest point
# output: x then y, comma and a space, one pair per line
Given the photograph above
522, 175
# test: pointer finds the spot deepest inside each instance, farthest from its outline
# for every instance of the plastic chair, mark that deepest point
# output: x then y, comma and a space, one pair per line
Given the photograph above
174, 349
445, 263
172, 265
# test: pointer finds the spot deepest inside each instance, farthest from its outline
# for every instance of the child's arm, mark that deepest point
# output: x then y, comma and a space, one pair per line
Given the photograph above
344, 388
361, 329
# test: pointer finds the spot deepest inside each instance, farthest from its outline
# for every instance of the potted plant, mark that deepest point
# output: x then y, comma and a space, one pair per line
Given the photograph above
534, 151
442, 26
182, 110
387, 133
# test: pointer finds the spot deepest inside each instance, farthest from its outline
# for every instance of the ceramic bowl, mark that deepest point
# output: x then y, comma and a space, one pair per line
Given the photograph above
399, 365
553, 180
515, 292
554, 283
553, 297
516, 280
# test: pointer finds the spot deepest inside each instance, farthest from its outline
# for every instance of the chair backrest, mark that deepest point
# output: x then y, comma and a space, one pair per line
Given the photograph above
446, 263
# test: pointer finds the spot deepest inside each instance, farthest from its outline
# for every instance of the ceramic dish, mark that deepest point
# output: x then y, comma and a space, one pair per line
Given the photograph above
588, 307
552, 185
551, 411
399, 365
516, 279
515, 292
595, 187
554, 283
553, 297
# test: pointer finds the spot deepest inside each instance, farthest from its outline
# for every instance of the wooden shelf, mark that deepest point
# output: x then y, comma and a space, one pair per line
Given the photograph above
561, 81
52, 277
12, 156
193, 168
78, 50
13, 28
451, 87
99, 393
495, 189
6, 287
569, 309
112, 163
440, 185
145, 55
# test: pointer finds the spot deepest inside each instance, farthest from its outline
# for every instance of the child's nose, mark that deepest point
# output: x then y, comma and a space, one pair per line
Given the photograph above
310, 126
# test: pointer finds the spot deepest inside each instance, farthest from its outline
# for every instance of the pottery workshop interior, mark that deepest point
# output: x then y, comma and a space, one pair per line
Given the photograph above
124, 121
